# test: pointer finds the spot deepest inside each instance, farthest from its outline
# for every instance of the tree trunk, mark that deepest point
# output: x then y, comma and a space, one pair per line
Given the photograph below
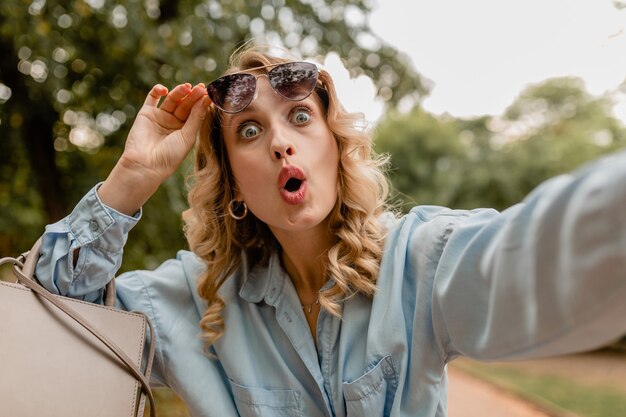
37, 133
39, 142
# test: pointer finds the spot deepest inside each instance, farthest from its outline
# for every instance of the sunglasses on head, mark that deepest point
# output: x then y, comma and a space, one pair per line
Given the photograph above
294, 81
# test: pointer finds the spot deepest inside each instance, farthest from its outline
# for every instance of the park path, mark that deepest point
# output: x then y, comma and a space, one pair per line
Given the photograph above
470, 397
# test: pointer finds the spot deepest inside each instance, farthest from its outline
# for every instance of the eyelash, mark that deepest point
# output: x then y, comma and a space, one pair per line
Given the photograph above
301, 107
245, 124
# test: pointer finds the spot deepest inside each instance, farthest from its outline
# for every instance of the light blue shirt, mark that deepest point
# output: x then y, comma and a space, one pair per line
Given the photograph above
545, 277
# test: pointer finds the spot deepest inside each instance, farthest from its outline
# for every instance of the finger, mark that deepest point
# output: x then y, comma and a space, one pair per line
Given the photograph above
155, 95
174, 97
184, 107
194, 122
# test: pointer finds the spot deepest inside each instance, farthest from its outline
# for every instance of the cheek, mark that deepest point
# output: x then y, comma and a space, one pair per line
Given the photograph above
326, 166
239, 165
330, 155
248, 173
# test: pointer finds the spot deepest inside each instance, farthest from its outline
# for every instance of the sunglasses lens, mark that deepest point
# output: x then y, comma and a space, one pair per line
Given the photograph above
232, 93
294, 80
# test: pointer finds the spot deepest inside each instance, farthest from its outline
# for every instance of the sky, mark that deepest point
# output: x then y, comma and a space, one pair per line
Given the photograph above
480, 54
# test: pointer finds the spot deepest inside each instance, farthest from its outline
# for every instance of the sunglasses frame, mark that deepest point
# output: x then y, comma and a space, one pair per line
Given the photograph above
256, 77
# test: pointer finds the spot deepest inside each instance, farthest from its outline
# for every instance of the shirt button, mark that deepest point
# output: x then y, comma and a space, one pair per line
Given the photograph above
93, 225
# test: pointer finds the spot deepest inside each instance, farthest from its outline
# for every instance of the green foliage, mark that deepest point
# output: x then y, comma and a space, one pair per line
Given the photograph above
425, 154
73, 74
167, 404
551, 128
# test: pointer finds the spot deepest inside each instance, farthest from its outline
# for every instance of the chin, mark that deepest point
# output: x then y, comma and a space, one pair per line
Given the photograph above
304, 222
300, 222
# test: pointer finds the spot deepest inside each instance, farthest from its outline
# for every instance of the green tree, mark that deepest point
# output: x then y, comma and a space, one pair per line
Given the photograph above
73, 74
425, 154
551, 128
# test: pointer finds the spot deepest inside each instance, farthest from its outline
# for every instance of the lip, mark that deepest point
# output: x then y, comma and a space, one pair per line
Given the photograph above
292, 197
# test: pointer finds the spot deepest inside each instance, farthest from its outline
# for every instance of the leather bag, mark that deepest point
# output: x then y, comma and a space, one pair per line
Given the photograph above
61, 357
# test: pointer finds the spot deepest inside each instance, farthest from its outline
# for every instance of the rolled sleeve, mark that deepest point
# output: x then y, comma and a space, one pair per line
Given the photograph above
99, 233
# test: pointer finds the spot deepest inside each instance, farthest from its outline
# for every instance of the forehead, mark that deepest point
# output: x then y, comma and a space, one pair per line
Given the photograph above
254, 69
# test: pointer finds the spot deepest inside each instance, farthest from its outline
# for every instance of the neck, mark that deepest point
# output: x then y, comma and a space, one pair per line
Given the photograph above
304, 258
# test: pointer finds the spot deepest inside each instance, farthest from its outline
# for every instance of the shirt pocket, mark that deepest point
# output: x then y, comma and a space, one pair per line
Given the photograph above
371, 395
261, 402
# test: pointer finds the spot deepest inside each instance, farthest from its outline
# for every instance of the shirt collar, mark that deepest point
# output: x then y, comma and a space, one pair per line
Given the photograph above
263, 282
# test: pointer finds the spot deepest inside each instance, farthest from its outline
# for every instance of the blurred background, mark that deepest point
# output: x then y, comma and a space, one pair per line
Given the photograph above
477, 103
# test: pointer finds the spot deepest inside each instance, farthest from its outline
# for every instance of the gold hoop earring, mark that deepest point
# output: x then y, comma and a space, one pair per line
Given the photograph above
236, 205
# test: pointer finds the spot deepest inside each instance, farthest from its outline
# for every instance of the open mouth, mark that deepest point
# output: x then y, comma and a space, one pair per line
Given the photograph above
293, 184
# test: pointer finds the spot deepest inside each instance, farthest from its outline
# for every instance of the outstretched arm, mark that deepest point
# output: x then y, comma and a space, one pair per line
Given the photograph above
545, 277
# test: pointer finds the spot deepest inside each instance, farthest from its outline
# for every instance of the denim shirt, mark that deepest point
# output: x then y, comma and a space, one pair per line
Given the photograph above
544, 277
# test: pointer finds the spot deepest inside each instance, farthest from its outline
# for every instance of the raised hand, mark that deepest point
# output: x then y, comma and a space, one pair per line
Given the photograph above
157, 143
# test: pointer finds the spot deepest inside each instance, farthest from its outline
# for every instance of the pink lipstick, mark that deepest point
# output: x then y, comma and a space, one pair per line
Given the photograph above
292, 185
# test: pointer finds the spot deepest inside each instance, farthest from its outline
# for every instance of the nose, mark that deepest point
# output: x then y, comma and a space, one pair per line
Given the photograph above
281, 148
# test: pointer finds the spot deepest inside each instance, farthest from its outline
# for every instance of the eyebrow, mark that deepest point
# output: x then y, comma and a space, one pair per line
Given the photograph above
252, 108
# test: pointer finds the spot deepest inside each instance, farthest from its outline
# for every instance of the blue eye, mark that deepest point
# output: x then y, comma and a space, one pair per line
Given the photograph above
248, 131
301, 116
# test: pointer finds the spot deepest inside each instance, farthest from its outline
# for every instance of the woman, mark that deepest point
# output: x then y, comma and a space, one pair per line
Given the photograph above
288, 229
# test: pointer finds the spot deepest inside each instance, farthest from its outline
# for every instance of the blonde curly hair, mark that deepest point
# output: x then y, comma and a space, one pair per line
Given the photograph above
221, 241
